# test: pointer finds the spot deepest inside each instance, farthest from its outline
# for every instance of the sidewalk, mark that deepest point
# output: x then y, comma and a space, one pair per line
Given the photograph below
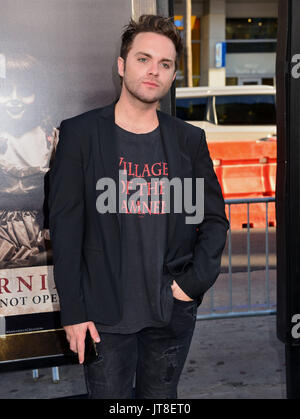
238, 358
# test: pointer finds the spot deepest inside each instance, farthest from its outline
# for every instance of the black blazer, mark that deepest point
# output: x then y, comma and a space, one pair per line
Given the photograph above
86, 244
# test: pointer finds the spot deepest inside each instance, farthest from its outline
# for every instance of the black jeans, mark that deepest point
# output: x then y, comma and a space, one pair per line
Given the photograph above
155, 354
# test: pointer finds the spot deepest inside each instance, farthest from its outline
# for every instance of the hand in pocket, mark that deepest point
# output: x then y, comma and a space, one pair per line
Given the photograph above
179, 294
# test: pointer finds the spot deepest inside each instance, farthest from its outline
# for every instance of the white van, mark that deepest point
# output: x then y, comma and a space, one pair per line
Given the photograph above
229, 113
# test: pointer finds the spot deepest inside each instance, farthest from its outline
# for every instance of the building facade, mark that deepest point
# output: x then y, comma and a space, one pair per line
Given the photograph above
233, 41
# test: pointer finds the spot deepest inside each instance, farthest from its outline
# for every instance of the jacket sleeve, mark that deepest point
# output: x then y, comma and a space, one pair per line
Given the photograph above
66, 218
212, 231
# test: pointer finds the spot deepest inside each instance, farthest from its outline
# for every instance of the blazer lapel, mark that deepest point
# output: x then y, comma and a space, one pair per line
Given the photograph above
108, 148
169, 135
107, 141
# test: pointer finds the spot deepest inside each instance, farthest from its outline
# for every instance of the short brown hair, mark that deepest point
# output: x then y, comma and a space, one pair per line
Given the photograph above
151, 23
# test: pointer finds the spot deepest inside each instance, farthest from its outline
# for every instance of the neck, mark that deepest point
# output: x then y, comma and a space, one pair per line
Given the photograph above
134, 115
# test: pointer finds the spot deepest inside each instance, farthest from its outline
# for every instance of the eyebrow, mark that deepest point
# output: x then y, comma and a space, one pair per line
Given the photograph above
150, 56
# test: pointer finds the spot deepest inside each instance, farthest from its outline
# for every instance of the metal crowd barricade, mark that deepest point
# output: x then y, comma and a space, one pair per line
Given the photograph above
229, 310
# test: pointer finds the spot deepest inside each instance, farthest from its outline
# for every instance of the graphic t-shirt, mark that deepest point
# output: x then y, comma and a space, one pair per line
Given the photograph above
147, 298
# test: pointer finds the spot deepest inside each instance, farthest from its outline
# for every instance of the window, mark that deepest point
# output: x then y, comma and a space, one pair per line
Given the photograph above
251, 28
247, 47
191, 109
231, 81
246, 110
268, 81
181, 79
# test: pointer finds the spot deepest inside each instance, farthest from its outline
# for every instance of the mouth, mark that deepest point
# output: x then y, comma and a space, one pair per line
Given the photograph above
15, 112
149, 83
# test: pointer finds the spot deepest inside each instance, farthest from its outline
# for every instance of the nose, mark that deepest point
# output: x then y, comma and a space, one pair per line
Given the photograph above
154, 69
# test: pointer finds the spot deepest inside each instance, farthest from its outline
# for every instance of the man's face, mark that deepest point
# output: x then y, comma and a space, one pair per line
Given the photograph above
150, 67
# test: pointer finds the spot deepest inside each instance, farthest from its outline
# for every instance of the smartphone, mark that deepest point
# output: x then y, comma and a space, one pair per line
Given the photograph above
90, 351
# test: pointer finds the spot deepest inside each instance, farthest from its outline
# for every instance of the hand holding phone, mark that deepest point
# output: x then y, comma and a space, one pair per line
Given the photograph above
77, 334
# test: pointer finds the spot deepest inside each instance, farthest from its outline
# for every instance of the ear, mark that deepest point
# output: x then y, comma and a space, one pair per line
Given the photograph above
121, 66
174, 76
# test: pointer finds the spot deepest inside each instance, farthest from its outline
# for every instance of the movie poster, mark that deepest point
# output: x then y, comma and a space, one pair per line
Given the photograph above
57, 60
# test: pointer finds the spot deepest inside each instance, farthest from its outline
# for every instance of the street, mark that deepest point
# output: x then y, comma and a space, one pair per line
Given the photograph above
239, 261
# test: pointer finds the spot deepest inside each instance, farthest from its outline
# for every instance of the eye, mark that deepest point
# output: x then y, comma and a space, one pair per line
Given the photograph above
142, 59
165, 65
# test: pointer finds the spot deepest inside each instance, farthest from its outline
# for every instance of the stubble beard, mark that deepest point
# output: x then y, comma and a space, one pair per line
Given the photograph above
139, 96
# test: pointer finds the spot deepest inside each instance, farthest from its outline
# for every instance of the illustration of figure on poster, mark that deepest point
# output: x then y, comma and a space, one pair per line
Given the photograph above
27, 141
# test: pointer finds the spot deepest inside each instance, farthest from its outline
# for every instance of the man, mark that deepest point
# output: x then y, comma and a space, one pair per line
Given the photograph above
133, 278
